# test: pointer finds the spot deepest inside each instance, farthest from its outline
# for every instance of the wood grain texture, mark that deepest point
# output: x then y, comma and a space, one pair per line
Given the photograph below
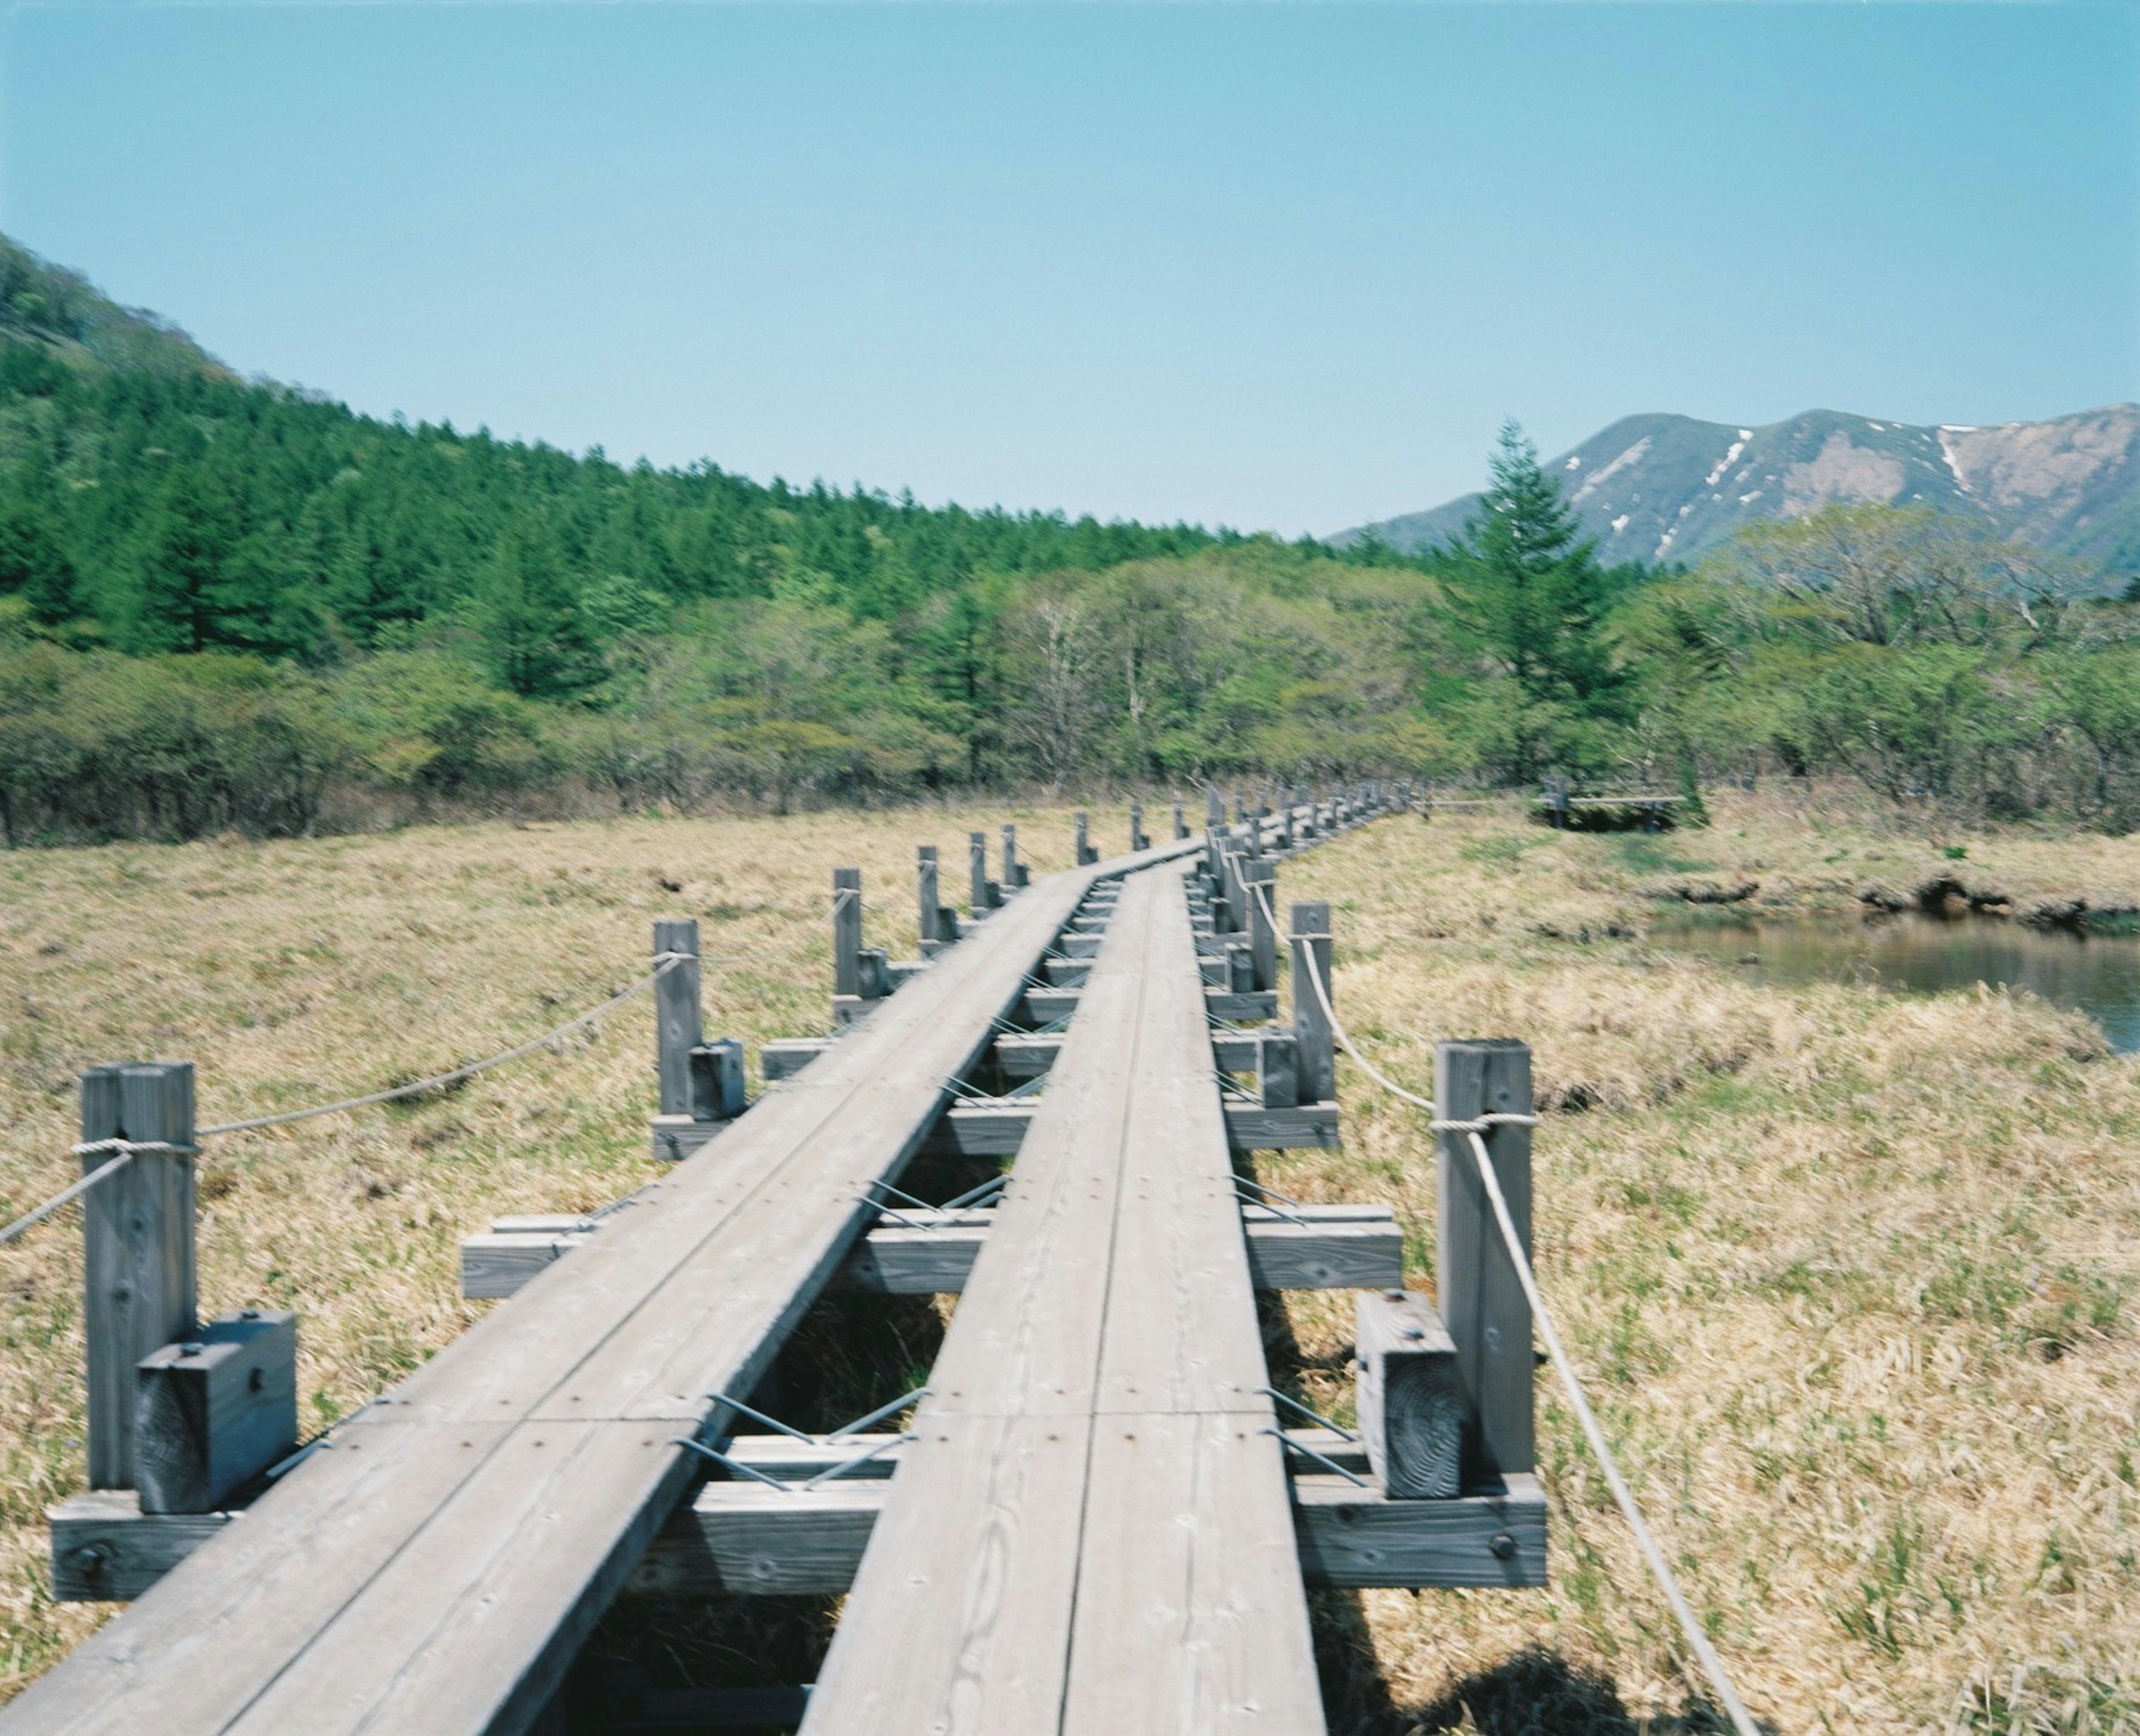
1412, 1409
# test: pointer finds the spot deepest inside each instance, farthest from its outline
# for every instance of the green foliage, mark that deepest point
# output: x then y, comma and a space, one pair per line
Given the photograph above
1534, 600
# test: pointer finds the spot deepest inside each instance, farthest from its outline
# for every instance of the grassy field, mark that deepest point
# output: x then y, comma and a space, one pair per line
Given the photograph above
1852, 1278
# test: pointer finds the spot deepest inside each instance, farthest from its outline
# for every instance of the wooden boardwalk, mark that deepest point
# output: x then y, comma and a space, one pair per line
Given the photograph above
436, 1569
1091, 1527
1092, 1532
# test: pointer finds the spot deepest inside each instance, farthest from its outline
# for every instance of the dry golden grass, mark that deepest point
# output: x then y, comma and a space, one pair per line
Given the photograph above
1850, 1277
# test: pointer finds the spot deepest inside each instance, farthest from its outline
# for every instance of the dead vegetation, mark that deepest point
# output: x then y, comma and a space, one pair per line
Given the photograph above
1852, 1278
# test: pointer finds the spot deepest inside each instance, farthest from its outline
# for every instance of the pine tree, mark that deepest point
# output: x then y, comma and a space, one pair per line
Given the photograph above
1531, 590
186, 538
529, 627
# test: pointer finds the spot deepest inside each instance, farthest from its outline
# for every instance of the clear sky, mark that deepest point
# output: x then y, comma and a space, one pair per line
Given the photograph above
1280, 266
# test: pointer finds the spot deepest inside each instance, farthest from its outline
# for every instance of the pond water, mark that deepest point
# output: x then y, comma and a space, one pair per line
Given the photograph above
1913, 953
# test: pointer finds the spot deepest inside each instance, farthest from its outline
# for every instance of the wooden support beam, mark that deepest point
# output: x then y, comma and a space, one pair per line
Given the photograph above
1412, 1411
1482, 1301
997, 1129
1308, 1248
138, 1283
215, 1409
743, 1539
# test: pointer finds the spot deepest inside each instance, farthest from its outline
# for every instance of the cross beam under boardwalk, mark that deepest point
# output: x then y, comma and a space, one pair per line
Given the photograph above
432, 1572
1092, 1534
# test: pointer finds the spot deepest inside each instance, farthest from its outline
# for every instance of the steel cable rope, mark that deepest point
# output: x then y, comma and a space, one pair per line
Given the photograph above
127, 1149
1690, 1624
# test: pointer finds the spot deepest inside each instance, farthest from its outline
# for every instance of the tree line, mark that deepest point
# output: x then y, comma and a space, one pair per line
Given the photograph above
236, 605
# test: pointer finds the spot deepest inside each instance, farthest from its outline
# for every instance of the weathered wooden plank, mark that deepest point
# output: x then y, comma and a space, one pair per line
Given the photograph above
961, 1603
1191, 1613
729, 1540
996, 1129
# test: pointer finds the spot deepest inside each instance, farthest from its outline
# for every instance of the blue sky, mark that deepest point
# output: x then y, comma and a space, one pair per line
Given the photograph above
1278, 265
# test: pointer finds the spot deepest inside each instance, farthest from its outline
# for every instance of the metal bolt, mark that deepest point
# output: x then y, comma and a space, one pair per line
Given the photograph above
191, 1350
1504, 1547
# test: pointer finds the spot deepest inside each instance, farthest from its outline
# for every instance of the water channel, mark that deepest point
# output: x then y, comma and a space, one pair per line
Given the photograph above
1913, 953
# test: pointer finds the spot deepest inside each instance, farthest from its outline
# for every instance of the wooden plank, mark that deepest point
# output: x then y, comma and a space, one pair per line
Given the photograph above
961, 1603
1190, 1612
450, 1597
996, 1129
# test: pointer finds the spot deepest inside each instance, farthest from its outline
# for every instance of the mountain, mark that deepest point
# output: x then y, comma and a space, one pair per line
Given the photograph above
1665, 488
47, 309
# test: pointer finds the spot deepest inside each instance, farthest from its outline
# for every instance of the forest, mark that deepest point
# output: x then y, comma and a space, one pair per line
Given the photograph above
233, 606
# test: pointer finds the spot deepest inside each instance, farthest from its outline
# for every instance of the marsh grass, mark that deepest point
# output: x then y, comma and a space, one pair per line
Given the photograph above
1852, 1278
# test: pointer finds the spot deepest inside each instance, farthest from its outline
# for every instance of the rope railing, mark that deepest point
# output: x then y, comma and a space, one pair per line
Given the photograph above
127, 1151
1474, 1131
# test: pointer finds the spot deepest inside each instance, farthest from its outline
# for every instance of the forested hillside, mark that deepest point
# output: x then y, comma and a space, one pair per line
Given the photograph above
233, 605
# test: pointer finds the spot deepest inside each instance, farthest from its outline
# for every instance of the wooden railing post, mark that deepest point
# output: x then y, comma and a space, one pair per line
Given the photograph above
1138, 840
928, 900
1086, 854
1316, 1048
1014, 874
138, 1285
846, 934
679, 1022
1481, 1300
1263, 937
986, 893
1180, 822
1214, 808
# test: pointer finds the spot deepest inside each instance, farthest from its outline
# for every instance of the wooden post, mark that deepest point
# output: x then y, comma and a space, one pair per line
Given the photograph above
1214, 808
138, 1288
928, 899
846, 939
679, 1026
1180, 822
1013, 870
984, 898
1310, 1026
1482, 1303
1263, 937
1086, 854
1138, 840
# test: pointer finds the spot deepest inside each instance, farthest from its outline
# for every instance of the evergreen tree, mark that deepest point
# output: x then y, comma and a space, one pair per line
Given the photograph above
530, 630
186, 538
33, 563
1532, 592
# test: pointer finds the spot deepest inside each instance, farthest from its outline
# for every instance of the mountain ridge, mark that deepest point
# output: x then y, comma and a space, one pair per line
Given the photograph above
1658, 487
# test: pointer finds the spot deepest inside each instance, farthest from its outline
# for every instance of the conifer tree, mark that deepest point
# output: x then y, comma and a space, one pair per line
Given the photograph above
1531, 590
529, 627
